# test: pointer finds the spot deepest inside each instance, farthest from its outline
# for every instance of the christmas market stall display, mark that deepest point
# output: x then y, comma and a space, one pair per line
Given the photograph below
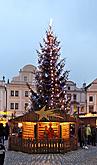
31, 135
47, 126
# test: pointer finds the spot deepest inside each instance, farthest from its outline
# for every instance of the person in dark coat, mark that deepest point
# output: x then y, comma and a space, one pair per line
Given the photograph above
93, 133
6, 131
82, 136
1, 133
2, 153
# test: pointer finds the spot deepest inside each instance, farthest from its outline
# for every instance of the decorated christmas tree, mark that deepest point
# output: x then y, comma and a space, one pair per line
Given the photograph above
50, 77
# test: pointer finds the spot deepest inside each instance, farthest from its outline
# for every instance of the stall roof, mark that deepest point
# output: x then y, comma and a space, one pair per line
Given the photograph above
34, 117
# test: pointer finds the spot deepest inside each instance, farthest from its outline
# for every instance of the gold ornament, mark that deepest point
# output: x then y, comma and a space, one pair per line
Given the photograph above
46, 113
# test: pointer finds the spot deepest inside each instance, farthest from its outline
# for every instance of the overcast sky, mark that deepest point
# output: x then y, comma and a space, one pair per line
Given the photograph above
23, 24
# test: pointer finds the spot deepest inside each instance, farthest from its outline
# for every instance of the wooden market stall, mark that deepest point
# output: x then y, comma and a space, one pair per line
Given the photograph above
27, 134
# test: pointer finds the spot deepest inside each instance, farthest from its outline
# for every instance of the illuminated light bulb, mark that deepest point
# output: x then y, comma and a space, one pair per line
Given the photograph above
62, 106
52, 74
52, 71
58, 95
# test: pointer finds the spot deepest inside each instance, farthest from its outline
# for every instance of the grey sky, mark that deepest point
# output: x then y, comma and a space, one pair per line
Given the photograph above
23, 24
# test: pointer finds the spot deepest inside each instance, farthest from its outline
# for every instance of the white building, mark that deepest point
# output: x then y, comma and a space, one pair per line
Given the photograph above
78, 97
14, 96
92, 97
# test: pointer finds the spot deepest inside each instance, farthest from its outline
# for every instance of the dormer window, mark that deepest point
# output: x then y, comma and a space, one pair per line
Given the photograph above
74, 97
91, 98
25, 78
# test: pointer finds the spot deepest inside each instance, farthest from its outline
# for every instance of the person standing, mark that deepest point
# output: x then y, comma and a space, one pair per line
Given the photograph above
93, 132
46, 133
2, 153
6, 131
2, 133
82, 136
88, 133
51, 132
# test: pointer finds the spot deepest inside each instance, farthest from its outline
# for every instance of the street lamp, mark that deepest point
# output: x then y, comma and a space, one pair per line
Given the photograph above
5, 102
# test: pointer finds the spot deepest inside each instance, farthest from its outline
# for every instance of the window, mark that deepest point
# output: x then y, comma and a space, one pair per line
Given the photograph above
11, 105
74, 97
16, 93
68, 87
69, 96
16, 106
82, 109
91, 98
91, 108
26, 93
26, 104
12, 93
25, 78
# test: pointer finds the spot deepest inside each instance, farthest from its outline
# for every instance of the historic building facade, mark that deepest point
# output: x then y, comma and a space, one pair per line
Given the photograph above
14, 96
92, 97
78, 97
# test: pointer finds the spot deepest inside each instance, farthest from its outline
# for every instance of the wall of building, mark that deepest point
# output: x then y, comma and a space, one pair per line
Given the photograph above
16, 92
78, 97
92, 97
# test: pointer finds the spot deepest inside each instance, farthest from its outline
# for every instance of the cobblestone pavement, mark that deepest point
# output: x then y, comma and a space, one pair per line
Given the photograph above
78, 157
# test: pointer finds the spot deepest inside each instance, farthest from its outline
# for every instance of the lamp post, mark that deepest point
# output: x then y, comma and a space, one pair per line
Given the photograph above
5, 102
78, 110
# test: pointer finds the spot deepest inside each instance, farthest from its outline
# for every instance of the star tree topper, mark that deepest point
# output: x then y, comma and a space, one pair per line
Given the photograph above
45, 114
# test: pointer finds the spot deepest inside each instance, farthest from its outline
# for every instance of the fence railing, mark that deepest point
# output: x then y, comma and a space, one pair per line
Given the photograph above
42, 146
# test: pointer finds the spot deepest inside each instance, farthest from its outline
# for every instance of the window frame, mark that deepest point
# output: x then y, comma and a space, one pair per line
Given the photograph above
26, 93
16, 93
11, 105
12, 93
16, 105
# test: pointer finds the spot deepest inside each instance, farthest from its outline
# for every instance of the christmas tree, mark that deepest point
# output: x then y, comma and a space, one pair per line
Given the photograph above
50, 77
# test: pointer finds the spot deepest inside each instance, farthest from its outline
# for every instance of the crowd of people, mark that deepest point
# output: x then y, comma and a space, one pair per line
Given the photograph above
87, 135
